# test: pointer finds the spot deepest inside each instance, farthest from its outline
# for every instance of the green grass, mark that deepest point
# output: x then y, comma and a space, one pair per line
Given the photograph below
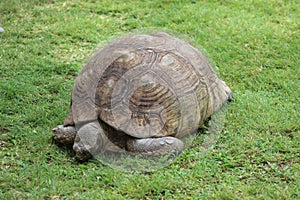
255, 45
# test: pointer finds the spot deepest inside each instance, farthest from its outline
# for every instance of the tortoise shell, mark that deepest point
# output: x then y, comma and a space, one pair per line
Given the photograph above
148, 85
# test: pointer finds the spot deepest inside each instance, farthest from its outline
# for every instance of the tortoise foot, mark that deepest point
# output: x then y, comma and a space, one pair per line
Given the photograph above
64, 135
81, 153
155, 146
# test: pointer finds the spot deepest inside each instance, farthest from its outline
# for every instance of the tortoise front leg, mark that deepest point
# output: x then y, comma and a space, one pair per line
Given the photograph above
92, 140
66, 135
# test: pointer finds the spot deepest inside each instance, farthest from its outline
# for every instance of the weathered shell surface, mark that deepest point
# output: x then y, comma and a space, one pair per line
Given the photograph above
147, 86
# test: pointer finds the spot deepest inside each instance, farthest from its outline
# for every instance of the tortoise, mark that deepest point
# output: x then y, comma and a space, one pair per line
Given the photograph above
141, 94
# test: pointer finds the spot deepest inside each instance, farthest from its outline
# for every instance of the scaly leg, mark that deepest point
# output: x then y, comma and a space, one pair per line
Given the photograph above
155, 146
64, 135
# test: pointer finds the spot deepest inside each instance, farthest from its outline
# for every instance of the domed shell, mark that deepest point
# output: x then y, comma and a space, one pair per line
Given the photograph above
148, 86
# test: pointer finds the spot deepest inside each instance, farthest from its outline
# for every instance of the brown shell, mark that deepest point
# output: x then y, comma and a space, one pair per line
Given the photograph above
147, 86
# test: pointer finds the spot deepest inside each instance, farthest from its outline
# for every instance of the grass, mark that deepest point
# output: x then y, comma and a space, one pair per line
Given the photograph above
255, 45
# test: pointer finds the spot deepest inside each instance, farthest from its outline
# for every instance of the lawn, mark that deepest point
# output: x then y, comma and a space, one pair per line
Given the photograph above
256, 47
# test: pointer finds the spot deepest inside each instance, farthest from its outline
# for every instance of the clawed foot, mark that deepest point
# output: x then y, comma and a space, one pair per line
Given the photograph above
82, 154
64, 135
